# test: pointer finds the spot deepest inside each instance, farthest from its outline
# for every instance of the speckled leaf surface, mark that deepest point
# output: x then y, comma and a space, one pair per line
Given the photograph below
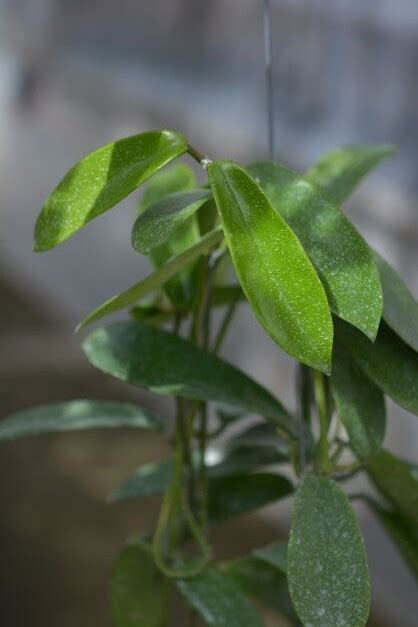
274, 554
76, 416
219, 600
395, 481
167, 364
359, 402
275, 273
157, 223
344, 262
101, 180
390, 363
137, 596
326, 560
400, 308
262, 582
339, 172
154, 281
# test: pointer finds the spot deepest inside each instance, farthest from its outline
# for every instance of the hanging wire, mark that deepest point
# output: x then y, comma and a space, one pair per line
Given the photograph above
269, 78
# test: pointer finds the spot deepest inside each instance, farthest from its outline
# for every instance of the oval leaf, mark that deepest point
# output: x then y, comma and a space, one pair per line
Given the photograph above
400, 308
276, 275
167, 364
160, 221
274, 554
359, 403
219, 600
101, 180
394, 480
76, 416
339, 172
389, 363
326, 560
341, 257
154, 281
137, 592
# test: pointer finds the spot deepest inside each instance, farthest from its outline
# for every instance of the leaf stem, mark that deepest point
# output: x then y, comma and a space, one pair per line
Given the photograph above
223, 328
322, 409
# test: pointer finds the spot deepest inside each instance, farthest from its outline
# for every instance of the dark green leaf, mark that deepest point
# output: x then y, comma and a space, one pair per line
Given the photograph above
263, 582
238, 494
400, 308
390, 363
341, 257
274, 554
156, 280
276, 275
101, 180
167, 364
137, 589
326, 560
227, 294
219, 600
76, 416
403, 533
178, 178
160, 221
359, 403
339, 172
394, 480
260, 435
148, 480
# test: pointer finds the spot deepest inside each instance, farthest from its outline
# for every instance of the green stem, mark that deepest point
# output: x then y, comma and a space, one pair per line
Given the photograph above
196, 154
223, 328
304, 385
322, 408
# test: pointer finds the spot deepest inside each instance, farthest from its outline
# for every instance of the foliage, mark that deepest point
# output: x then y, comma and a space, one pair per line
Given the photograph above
323, 296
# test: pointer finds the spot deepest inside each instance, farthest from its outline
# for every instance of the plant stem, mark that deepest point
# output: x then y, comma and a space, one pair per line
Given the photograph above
229, 314
304, 385
322, 408
196, 154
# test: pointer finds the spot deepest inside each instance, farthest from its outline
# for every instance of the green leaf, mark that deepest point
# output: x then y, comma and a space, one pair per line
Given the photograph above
154, 281
137, 589
390, 363
148, 480
101, 180
394, 480
360, 403
339, 172
219, 600
160, 221
277, 277
274, 554
403, 533
76, 416
263, 582
242, 493
400, 308
178, 178
227, 294
261, 435
326, 560
167, 364
344, 262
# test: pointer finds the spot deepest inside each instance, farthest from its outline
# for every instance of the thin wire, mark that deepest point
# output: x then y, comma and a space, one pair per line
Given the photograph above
269, 78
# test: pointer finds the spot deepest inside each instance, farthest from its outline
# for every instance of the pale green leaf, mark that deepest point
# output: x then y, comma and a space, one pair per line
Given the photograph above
76, 416
277, 277
101, 180
167, 364
344, 262
326, 559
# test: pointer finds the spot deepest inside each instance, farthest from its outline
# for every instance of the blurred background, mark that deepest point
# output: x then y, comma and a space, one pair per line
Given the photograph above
75, 75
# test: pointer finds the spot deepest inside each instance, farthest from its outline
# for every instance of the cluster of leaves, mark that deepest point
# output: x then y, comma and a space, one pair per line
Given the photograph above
326, 298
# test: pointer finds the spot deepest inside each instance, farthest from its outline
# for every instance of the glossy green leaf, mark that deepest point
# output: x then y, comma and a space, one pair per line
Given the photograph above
339, 172
157, 223
219, 600
260, 435
390, 363
400, 308
227, 294
263, 582
344, 262
242, 493
360, 403
177, 178
394, 480
167, 364
274, 554
101, 180
326, 560
154, 281
277, 277
137, 589
148, 480
76, 416
403, 533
